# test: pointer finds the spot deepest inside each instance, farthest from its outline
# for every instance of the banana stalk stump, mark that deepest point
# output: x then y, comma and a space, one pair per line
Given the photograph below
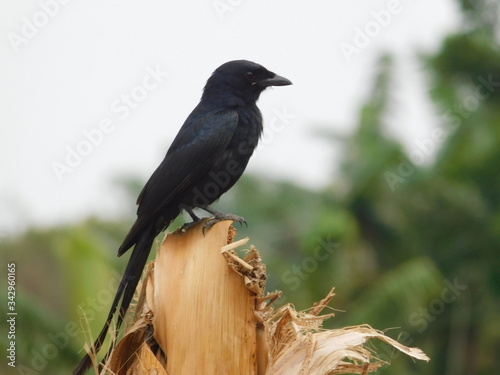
201, 309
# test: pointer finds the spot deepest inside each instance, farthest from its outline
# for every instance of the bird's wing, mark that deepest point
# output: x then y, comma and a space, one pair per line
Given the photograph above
187, 161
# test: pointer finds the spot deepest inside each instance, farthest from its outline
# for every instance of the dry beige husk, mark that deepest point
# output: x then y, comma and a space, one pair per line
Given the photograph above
201, 309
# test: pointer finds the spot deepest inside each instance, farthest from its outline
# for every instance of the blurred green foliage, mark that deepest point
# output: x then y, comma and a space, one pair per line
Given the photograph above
407, 244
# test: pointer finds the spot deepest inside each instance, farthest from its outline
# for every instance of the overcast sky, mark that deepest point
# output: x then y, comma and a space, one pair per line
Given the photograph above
91, 90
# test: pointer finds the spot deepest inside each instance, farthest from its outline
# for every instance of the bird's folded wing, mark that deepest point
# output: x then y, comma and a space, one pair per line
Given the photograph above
203, 139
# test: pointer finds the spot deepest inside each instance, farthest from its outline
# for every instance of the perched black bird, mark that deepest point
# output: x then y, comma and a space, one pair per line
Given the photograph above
206, 158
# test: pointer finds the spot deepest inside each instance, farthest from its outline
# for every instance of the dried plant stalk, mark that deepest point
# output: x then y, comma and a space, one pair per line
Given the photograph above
210, 315
203, 314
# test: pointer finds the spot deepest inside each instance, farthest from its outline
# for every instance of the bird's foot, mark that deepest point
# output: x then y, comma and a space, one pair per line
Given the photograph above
219, 216
187, 226
195, 221
222, 217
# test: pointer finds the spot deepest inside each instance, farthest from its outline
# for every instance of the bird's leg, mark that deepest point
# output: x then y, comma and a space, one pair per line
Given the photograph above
195, 218
219, 216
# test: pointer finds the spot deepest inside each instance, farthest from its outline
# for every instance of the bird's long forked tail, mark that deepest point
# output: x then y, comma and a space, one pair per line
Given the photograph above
123, 296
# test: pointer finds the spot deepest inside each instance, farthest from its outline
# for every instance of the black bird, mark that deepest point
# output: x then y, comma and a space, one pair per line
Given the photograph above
206, 158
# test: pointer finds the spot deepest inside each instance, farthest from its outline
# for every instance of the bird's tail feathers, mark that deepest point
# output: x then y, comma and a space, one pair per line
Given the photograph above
123, 296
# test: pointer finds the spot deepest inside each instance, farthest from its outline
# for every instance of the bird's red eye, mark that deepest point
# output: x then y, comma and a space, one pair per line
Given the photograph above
249, 76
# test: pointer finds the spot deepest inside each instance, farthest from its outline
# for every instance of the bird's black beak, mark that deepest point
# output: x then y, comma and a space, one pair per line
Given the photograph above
275, 81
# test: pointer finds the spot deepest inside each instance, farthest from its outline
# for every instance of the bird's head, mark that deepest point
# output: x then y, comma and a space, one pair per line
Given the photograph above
241, 78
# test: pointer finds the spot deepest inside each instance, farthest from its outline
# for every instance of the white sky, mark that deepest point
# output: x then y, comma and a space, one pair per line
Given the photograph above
76, 59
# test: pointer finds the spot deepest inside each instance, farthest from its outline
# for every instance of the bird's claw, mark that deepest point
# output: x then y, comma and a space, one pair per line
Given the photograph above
210, 223
187, 226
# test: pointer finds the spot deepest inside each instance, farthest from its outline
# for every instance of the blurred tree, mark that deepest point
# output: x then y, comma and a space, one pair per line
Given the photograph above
62, 274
